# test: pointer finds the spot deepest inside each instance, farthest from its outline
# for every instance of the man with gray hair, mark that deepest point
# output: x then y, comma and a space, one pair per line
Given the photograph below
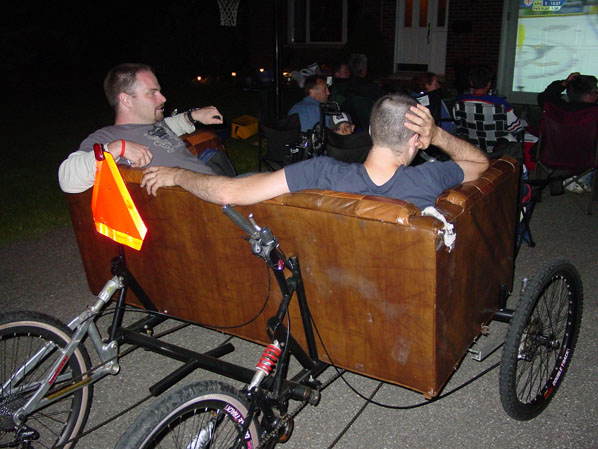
400, 127
358, 84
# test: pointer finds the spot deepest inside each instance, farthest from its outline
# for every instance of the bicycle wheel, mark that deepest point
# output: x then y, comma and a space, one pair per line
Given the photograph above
22, 334
205, 414
541, 339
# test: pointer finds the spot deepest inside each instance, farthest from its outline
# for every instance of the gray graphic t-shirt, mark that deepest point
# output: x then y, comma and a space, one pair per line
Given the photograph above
168, 149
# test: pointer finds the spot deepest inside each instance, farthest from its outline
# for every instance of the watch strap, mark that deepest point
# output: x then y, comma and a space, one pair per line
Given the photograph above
190, 117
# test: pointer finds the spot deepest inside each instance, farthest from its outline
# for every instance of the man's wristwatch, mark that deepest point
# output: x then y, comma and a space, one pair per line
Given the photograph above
190, 117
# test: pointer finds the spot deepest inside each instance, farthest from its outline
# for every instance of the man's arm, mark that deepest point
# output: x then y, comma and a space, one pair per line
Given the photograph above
180, 123
471, 159
552, 94
77, 172
217, 189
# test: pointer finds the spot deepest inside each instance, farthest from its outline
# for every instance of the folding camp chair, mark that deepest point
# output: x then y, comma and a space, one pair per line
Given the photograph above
482, 123
280, 137
530, 193
348, 148
568, 145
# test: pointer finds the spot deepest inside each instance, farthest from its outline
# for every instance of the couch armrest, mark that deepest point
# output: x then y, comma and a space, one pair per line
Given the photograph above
453, 201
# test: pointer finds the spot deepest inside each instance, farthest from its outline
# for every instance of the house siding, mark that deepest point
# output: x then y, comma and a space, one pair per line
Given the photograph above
473, 37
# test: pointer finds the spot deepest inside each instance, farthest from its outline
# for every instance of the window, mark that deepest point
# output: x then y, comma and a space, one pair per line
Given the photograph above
317, 22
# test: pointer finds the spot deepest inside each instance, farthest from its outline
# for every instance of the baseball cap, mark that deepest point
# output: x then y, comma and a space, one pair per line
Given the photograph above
338, 119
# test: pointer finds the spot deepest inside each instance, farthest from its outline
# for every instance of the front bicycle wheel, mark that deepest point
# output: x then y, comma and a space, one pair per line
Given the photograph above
22, 335
200, 415
541, 339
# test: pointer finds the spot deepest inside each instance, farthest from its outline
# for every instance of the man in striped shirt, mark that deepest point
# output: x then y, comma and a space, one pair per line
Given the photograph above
481, 82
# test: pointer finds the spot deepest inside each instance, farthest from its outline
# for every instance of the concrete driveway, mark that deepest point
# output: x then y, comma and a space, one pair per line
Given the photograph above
46, 275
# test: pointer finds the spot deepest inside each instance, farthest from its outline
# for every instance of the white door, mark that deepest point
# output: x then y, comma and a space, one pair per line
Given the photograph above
421, 35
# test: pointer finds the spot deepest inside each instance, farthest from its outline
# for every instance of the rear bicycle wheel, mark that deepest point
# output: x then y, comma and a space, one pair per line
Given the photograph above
200, 415
23, 334
541, 339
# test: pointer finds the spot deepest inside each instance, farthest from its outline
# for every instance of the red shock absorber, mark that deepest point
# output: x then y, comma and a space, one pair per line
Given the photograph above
266, 364
269, 358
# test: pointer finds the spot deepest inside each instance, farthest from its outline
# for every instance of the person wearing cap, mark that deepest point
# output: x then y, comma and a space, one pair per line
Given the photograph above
342, 124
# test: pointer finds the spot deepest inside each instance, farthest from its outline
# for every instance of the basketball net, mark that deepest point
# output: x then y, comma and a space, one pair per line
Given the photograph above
228, 12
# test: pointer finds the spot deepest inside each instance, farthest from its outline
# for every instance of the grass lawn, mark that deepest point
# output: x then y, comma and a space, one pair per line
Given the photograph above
44, 132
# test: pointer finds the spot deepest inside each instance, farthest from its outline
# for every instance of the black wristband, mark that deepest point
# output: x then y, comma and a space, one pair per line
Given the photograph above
190, 118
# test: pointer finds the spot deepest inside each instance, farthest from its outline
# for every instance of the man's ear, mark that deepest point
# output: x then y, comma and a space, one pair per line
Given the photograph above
413, 141
124, 99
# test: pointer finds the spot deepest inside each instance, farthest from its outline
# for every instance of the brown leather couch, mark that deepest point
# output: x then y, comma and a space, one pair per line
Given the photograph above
388, 298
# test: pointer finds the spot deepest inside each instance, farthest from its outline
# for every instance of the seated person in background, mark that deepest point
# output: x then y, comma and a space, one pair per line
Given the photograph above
340, 72
582, 92
425, 87
342, 124
358, 84
140, 136
400, 127
481, 80
316, 92
360, 93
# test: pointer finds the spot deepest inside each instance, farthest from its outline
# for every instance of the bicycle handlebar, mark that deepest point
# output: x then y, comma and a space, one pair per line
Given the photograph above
239, 220
262, 239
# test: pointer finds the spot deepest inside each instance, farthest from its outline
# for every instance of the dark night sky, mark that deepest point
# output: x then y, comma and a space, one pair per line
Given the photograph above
60, 45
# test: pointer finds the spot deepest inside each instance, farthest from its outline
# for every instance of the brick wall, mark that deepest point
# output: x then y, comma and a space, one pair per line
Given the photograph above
377, 41
473, 37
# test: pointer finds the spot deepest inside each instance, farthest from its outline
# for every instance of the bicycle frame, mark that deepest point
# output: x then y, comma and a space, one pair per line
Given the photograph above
302, 386
81, 325
84, 325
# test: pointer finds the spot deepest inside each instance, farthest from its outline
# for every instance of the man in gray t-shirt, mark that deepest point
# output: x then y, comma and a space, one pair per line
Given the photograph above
399, 126
140, 136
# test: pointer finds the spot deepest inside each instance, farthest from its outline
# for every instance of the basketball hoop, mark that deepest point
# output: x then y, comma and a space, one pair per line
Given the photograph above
228, 12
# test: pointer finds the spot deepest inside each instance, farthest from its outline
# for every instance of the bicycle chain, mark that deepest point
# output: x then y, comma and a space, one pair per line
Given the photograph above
295, 412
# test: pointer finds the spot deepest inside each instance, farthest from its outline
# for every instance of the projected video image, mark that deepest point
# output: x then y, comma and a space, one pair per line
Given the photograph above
554, 38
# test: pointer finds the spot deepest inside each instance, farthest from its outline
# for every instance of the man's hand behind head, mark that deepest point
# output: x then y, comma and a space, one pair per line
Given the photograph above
420, 121
572, 76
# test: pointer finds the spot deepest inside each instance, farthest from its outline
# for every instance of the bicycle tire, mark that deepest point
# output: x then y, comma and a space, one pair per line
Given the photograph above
541, 339
21, 335
189, 415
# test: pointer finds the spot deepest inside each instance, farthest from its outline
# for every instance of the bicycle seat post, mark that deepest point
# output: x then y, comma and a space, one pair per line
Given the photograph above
119, 269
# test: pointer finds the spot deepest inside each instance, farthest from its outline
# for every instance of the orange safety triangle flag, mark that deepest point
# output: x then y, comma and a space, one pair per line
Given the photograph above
114, 212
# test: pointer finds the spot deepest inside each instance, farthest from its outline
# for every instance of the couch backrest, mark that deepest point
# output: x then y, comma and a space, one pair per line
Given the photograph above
375, 270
